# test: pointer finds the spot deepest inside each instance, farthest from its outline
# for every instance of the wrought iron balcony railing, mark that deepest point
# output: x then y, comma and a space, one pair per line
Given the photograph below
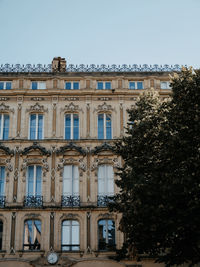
35, 246
103, 200
70, 201
33, 201
103, 246
2, 201
74, 247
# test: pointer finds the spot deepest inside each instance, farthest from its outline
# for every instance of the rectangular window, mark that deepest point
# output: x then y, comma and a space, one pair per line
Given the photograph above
71, 180
71, 126
4, 126
105, 180
5, 85
165, 85
36, 127
136, 85
32, 235
34, 181
38, 85
70, 235
104, 85
72, 85
104, 126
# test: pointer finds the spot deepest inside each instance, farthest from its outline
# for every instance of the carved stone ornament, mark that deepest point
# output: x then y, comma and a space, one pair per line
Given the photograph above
70, 146
37, 108
5, 108
69, 216
36, 146
70, 161
104, 147
8, 166
105, 216
71, 108
43, 162
6, 149
104, 107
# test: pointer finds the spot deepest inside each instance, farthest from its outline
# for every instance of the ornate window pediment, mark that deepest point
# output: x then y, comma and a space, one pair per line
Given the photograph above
71, 108
37, 108
6, 150
70, 146
4, 108
104, 147
36, 146
30, 161
104, 108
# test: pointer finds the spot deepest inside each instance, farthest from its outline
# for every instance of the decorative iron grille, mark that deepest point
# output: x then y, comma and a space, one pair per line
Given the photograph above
33, 201
2, 201
70, 201
103, 200
91, 68
35, 246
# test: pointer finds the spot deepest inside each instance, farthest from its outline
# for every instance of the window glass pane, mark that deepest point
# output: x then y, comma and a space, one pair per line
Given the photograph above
68, 126
139, 85
111, 232
1, 85
100, 126
40, 126
110, 180
33, 126
36, 234
32, 235
108, 85
100, 85
67, 180
38, 181
30, 190
101, 180
2, 178
6, 127
41, 85
68, 85
65, 236
131, 85
76, 126
34, 85
75, 237
1, 117
8, 85
75, 175
76, 85
108, 127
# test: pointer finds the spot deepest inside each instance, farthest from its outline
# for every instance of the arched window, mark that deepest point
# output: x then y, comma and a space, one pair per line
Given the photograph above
4, 126
105, 184
71, 126
34, 186
70, 235
104, 126
106, 235
32, 235
1, 234
36, 127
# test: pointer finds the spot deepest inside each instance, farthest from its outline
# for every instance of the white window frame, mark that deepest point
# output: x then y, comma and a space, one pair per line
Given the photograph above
70, 225
136, 87
104, 125
72, 85
34, 180
72, 126
167, 83
29, 132
73, 179
4, 84
39, 85
2, 123
104, 85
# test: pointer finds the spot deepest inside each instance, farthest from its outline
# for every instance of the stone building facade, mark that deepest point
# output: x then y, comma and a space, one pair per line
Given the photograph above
57, 163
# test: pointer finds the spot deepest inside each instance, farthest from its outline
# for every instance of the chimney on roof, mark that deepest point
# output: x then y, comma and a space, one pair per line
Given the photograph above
59, 64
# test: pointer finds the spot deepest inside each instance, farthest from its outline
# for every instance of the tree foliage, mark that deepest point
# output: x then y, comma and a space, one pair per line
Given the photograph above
160, 179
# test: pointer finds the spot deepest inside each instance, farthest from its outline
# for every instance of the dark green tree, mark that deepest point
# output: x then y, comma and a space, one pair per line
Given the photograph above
160, 179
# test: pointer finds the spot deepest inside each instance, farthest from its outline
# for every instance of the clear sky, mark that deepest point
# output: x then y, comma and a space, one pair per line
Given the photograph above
100, 31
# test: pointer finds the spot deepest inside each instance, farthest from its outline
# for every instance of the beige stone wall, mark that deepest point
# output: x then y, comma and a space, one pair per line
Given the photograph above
54, 102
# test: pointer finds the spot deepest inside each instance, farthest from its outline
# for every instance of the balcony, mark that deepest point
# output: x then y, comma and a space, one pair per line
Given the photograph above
2, 201
70, 201
33, 201
103, 200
